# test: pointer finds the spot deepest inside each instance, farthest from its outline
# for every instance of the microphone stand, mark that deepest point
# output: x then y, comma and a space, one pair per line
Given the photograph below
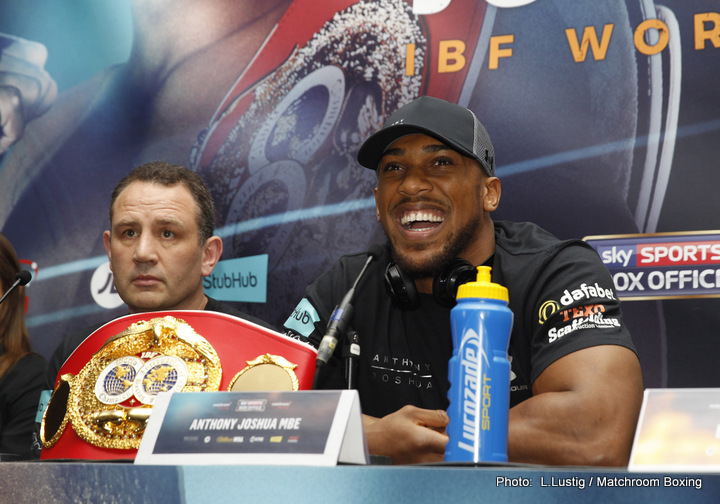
340, 318
351, 354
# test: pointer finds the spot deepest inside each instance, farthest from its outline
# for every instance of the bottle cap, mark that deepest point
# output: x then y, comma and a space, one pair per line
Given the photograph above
483, 287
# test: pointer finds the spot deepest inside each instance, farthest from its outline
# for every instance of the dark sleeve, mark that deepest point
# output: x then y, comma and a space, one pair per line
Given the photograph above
309, 320
62, 352
310, 317
574, 306
19, 398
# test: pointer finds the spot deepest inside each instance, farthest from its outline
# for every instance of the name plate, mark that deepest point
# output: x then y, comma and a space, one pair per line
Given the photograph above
678, 430
319, 427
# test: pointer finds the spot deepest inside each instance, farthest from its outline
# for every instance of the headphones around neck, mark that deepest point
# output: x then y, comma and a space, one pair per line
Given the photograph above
445, 285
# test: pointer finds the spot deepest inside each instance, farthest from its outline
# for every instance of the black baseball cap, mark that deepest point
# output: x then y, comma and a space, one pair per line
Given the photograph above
452, 124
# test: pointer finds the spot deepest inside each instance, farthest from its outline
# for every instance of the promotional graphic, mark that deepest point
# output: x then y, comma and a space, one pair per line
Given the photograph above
605, 119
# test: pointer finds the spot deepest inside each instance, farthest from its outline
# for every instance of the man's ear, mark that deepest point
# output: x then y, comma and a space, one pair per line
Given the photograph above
106, 241
491, 200
212, 251
377, 212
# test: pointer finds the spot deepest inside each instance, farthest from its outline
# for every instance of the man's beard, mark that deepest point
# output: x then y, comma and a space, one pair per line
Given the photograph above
451, 249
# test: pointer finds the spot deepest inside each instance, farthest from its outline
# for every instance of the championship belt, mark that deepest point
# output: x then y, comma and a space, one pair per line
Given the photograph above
105, 391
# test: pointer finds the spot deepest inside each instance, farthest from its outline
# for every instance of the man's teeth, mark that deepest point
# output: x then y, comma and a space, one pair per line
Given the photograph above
413, 217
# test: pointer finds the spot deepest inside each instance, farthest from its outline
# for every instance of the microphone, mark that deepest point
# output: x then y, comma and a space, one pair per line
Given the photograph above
21, 278
343, 312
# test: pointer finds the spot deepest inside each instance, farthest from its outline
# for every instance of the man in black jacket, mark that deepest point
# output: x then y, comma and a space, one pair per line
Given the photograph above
160, 244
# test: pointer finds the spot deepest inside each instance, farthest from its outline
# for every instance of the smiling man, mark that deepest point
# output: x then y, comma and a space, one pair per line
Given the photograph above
576, 384
433, 204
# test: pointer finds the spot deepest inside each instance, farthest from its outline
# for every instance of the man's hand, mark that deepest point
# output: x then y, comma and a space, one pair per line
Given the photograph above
26, 90
410, 435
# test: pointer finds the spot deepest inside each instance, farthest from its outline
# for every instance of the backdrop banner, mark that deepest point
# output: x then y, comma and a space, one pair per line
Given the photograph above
605, 118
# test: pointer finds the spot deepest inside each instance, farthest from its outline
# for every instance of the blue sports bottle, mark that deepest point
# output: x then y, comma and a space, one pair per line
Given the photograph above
479, 372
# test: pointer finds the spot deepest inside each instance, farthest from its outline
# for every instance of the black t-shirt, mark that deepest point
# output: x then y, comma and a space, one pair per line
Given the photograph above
561, 295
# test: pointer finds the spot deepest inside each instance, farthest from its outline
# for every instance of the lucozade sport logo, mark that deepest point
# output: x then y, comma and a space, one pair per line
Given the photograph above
474, 365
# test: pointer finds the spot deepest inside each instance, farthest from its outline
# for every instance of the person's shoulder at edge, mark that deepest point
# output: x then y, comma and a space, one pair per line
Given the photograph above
530, 236
31, 365
350, 264
64, 350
